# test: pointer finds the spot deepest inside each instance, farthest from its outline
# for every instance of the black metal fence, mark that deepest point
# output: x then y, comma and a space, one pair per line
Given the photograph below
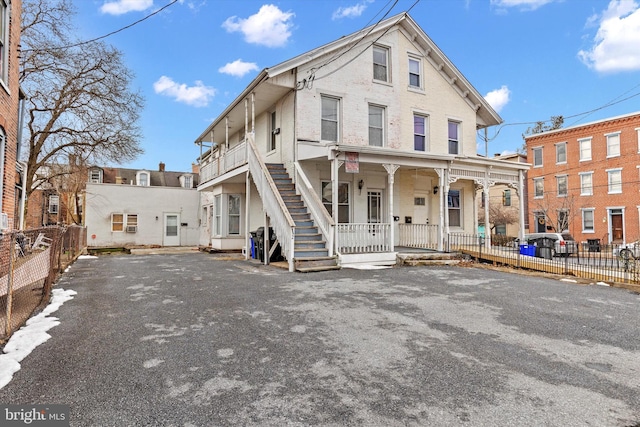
589, 260
29, 263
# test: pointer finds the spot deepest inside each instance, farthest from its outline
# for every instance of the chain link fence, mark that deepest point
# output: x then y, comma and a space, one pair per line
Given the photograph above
30, 261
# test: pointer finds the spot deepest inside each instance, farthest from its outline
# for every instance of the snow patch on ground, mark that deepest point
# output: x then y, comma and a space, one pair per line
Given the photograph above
30, 336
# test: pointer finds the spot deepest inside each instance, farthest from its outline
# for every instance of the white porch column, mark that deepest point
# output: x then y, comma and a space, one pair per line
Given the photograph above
334, 199
247, 228
521, 203
391, 170
441, 224
253, 113
487, 226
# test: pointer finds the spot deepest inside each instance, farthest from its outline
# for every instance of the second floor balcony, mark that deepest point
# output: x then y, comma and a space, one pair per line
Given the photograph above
228, 160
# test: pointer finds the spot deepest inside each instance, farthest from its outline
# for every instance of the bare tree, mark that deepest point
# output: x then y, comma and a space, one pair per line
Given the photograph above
558, 212
79, 99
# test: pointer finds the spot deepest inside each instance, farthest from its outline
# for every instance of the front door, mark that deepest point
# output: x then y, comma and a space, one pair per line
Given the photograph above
171, 230
617, 232
420, 208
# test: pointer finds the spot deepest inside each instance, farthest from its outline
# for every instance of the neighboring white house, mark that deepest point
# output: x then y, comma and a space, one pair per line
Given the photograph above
383, 117
128, 207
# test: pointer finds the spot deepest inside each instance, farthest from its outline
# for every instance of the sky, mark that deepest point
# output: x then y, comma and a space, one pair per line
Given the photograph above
531, 59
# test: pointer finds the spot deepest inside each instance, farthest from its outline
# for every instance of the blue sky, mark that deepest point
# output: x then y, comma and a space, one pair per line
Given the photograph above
531, 59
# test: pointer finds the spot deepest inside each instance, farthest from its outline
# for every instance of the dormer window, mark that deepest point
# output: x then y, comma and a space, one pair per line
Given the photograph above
95, 176
186, 181
142, 178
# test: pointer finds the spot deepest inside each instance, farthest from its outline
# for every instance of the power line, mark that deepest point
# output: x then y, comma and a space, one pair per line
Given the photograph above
111, 33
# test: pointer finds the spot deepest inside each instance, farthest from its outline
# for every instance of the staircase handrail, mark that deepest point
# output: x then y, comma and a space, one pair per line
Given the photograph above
317, 210
274, 204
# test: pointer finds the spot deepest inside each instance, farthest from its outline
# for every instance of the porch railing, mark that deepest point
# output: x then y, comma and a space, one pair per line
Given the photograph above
363, 238
318, 213
418, 236
231, 159
281, 220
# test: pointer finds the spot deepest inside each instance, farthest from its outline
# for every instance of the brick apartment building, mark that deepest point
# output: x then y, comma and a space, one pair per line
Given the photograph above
586, 179
10, 96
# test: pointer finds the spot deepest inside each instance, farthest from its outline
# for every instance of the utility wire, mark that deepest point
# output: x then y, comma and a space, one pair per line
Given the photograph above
111, 33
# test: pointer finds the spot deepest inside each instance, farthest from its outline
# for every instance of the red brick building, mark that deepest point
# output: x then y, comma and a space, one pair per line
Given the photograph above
9, 106
586, 179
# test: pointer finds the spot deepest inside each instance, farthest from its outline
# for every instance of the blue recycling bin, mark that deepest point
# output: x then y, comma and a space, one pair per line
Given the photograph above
528, 250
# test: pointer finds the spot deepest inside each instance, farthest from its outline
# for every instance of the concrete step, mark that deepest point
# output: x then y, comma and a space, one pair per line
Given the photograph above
311, 264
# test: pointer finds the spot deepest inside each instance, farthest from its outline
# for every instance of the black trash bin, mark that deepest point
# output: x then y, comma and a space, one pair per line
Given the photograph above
276, 255
594, 245
544, 248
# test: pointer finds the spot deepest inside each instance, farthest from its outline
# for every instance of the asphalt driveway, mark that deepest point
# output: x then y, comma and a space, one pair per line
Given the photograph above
196, 340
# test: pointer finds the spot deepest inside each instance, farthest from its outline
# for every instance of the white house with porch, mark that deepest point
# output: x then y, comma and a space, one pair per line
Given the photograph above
351, 150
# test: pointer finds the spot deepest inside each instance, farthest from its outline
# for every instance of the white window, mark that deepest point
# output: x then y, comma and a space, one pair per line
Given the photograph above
538, 187
537, 157
421, 201
343, 200
638, 136
54, 204
455, 208
613, 144
615, 181
588, 223
4, 42
562, 185
420, 129
454, 141
506, 198
376, 126
186, 181
234, 214
117, 222
217, 204
273, 131
586, 183
330, 115
95, 176
381, 63
374, 207
414, 73
142, 178
561, 152
585, 149
132, 223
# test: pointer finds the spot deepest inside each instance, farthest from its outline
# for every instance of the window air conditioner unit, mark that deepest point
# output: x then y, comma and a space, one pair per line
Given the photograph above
132, 228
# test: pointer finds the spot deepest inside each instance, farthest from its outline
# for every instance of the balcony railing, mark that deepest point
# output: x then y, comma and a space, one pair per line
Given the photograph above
231, 159
363, 238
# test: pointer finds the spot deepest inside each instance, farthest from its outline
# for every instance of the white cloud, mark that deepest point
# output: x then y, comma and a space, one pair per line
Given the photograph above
615, 45
269, 27
120, 7
498, 98
238, 68
198, 95
524, 5
351, 11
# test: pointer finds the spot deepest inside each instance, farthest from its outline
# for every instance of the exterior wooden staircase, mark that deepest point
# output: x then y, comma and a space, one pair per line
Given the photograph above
310, 250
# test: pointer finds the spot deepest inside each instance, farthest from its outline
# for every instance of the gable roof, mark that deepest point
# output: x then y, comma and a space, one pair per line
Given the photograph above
485, 114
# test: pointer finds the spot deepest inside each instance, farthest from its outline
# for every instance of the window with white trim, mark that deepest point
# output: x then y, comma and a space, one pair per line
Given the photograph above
420, 129
537, 157
54, 204
561, 181
506, 198
329, 124
584, 145
374, 207
454, 208
142, 179
561, 152
376, 125
95, 176
186, 181
638, 137
613, 144
538, 187
381, 63
415, 80
217, 206
614, 181
119, 220
588, 220
454, 139
273, 131
4, 42
343, 200
586, 183
234, 214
